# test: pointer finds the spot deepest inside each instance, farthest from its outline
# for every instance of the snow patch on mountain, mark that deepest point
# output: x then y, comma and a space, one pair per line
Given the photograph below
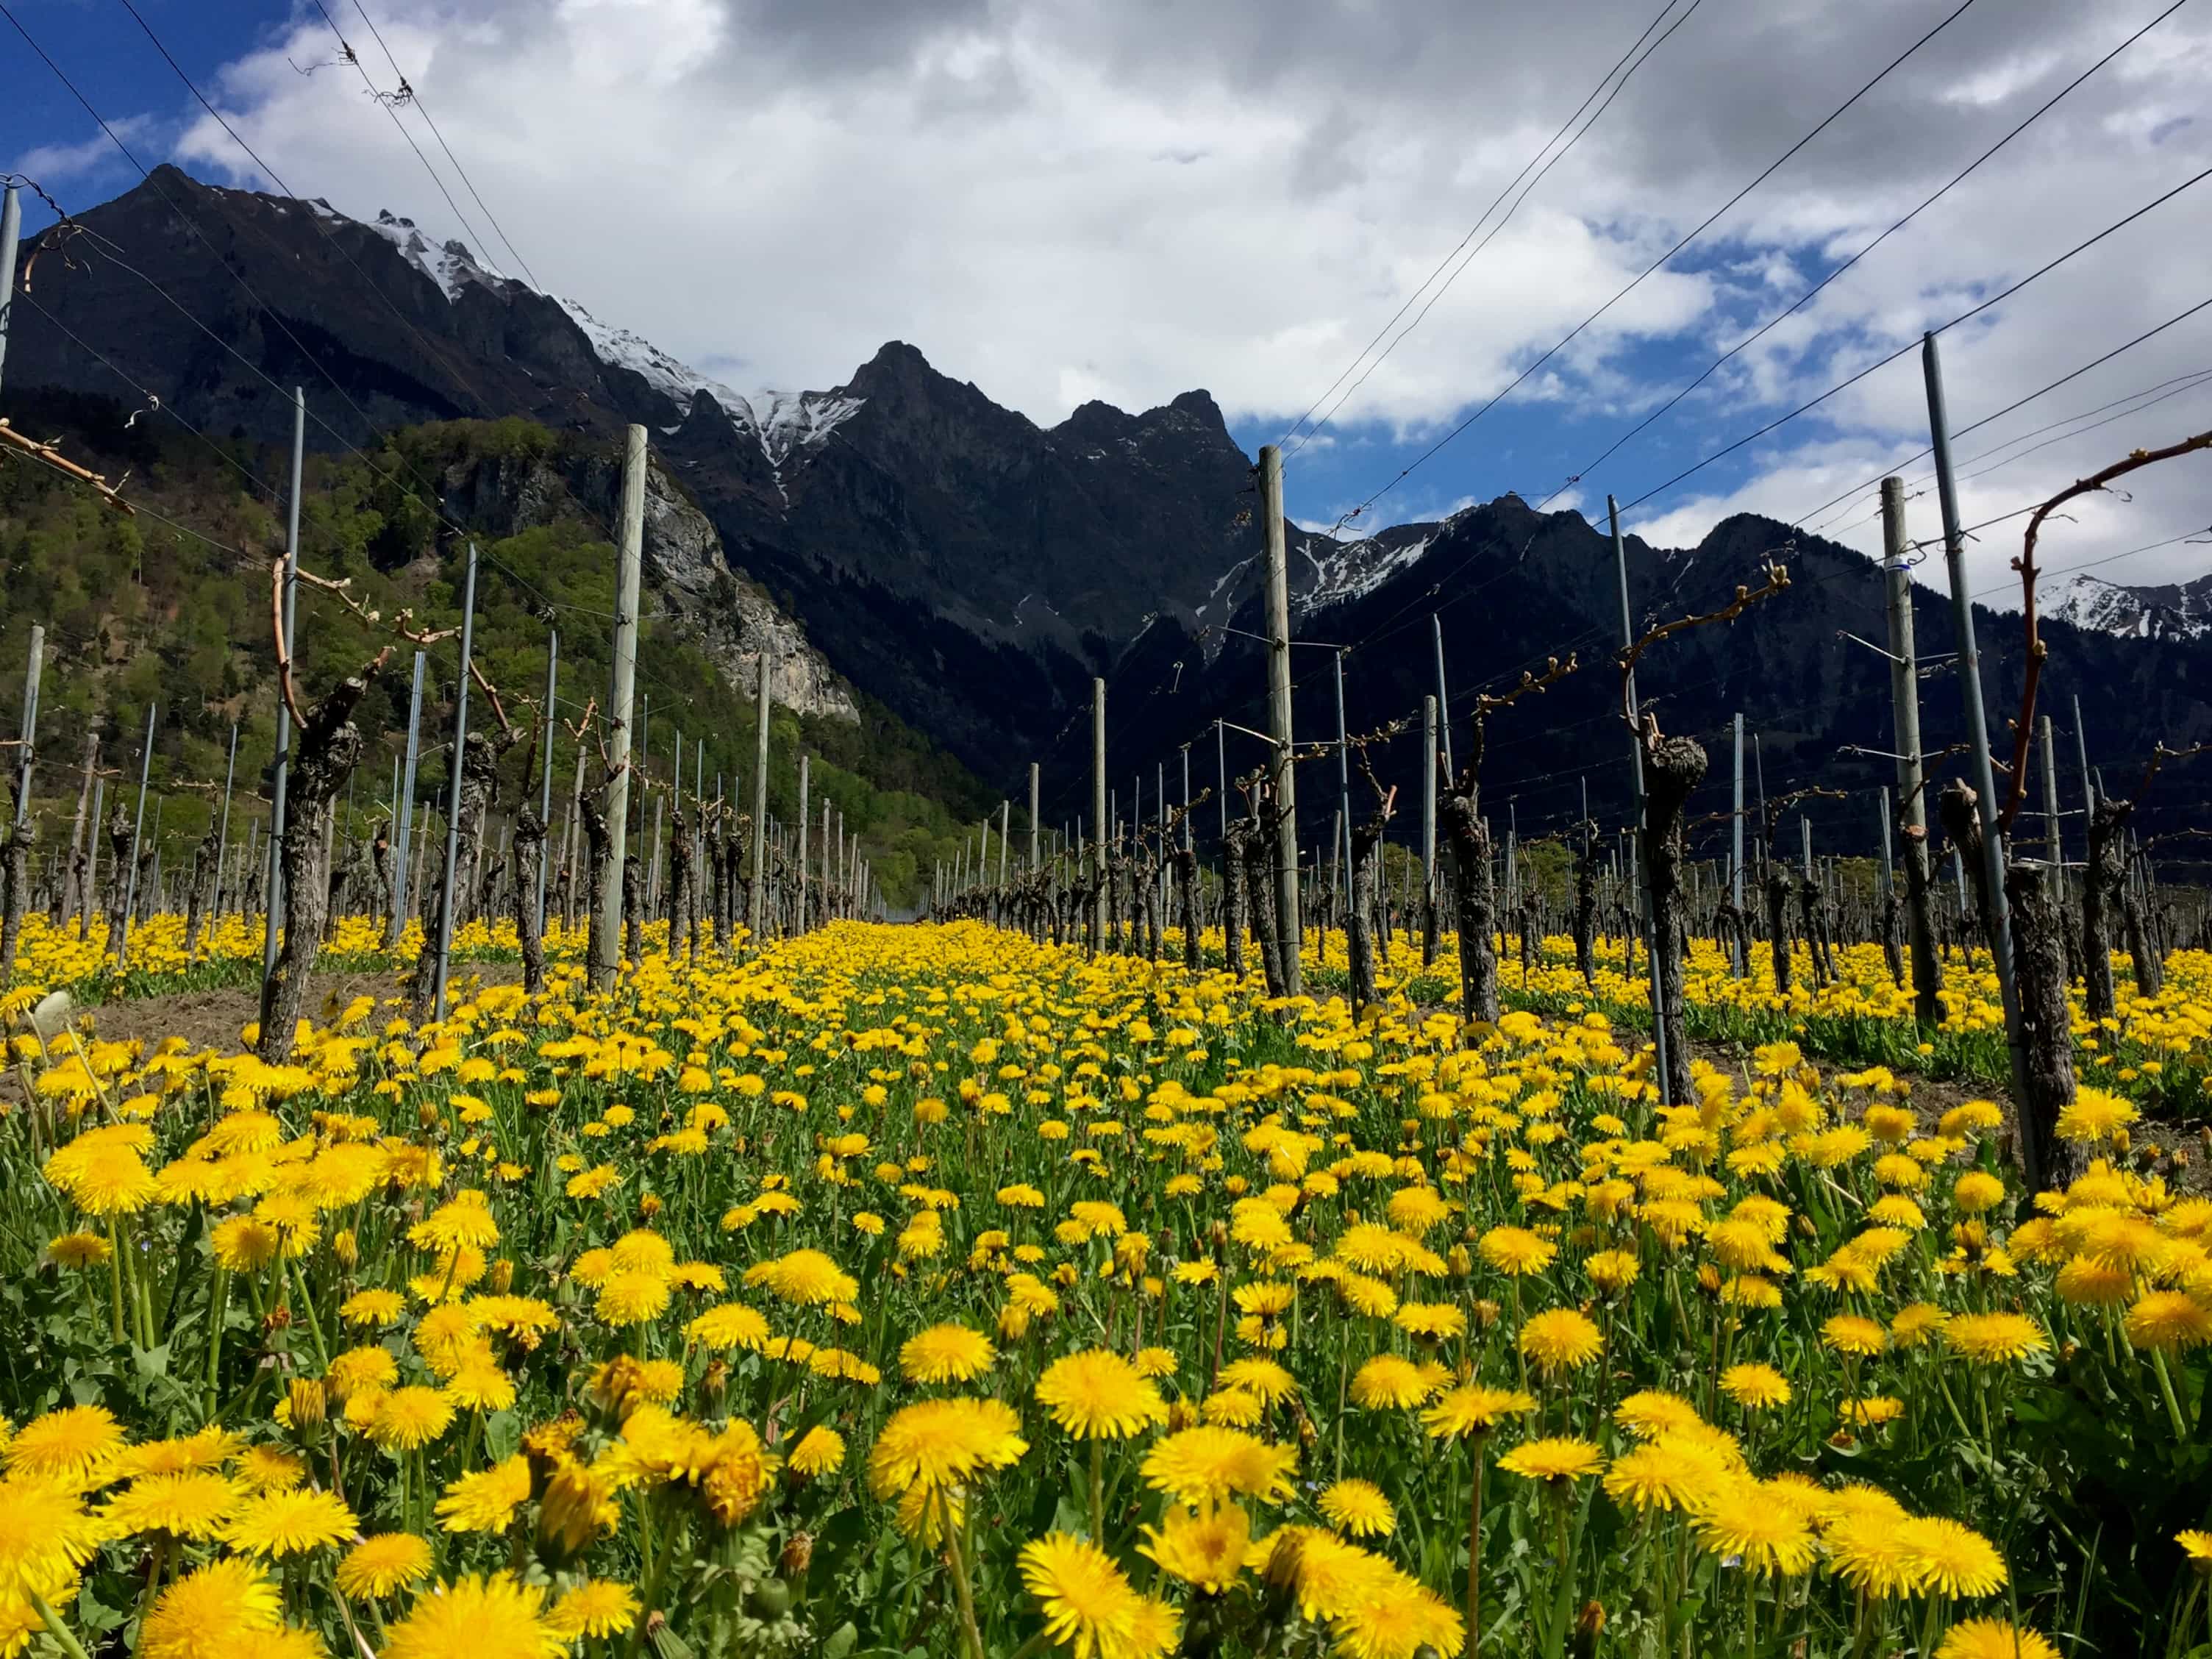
798, 420
617, 348
2182, 611
449, 264
1226, 578
781, 422
1341, 572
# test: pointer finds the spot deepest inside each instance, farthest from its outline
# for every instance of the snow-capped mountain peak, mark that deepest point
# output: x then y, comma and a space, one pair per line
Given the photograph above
781, 423
450, 263
2171, 610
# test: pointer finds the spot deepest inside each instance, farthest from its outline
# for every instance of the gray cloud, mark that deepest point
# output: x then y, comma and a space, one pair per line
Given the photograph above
1077, 198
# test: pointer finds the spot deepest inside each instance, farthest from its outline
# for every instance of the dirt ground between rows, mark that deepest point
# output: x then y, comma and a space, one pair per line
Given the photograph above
213, 1019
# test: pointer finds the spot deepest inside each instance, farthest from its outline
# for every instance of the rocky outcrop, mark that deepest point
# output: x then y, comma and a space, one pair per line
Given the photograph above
689, 584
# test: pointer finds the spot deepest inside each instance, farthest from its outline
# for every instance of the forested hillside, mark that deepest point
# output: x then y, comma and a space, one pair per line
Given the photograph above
139, 610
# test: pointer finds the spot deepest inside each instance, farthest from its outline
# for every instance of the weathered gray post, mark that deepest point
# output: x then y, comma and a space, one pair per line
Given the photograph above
1428, 831
1444, 697
2051, 809
1735, 854
1343, 840
1978, 739
223, 829
801, 910
628, 566
404, 813
757, 894
1098, 810
16, 849
137, 828
1221, 781
11, 232
546, 784
1904, 713
1290, 922
1635, 777
273, 888
444, 943
32, 666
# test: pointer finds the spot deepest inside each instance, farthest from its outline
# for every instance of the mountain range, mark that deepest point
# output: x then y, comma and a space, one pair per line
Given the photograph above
908, 539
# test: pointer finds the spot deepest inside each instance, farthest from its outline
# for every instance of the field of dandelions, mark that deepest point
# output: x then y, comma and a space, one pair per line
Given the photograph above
928, 1291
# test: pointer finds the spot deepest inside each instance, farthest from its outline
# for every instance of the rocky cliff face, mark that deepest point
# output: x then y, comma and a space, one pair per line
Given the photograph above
687, 578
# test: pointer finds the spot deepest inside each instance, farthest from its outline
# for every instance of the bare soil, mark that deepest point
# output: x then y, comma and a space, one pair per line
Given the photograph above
213, 1019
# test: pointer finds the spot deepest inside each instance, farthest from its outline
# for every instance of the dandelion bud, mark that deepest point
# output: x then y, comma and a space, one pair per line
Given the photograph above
649, 1206
306, 1399
1281, 1573
617, 1385
346, 1247
426, 1114
1590, 1623
715, 1380
548, 1446
1709, 1278
1486, 1312
503, 1276
797, 1555
1459, 1261
569, 1517
1182, 1414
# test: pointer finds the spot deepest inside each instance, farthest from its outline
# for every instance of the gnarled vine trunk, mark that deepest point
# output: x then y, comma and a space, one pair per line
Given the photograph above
529, 838
323, 755
2039, 967
1469, 837
1673, 768
1920, 928
2102, 884
1233, 866
479, 775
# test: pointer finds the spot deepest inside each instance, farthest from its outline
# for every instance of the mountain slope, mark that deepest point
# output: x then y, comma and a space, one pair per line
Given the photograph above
1513, 587
951, 558
966, 572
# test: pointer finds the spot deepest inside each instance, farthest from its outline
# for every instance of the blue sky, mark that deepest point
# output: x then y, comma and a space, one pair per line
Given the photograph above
1124, 201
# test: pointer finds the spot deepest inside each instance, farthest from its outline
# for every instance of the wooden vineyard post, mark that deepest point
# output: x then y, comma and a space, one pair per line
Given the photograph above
1282, 781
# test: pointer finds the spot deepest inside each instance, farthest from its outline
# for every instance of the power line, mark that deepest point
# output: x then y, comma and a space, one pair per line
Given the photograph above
1487, 212
416, 98
239, 277
2180, 384
385, 100
153, 398
1956, 180
2017, 402
1771, 168
1972, 311
323, 230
